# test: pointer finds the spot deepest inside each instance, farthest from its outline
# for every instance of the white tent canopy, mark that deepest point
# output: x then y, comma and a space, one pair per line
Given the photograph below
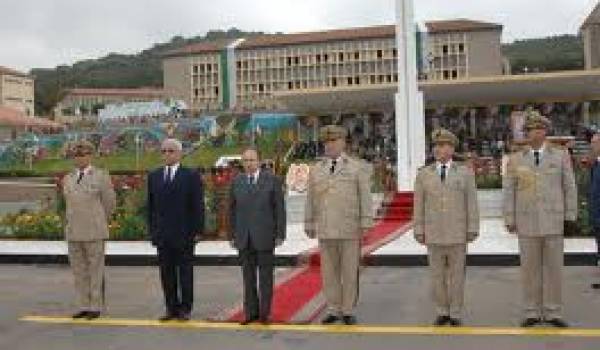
133, 109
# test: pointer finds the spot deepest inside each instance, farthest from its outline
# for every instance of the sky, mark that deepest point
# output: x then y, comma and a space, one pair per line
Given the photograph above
47, 33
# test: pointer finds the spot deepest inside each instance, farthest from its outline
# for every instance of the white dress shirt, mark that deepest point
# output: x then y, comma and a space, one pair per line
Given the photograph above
173, 170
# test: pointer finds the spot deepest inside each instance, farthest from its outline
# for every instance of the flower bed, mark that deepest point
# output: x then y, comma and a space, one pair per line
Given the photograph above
129, 220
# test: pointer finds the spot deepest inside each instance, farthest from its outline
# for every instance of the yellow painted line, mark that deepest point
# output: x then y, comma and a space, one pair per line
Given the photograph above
315, 328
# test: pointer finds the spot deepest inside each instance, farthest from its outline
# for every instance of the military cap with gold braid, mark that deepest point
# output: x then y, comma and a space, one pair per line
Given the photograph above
442, 135
534, 120
332, 132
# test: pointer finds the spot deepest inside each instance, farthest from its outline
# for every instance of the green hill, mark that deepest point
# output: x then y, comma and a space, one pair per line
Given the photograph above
564, 52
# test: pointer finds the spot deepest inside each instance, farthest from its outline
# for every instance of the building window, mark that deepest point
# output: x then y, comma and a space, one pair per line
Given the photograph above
318, 58
349, 80
216, 90
357, 80
325, 57
395, 53
289, 61
334, 81
446, 75
195, 69
357, 55
196, 91
261, 87
341, 57
461, 48
445, 49
379, 54
296, 60
454, 74
290, 85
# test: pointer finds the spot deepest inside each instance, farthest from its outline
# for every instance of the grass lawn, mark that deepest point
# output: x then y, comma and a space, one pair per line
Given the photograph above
203, 157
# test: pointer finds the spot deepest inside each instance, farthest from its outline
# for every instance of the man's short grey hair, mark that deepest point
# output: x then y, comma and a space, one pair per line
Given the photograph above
173, 142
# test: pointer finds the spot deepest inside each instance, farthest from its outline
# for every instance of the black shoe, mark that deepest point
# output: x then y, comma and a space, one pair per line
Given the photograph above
595, 285
167, 317
184, 316
454, 322
530, 322
92, 315
80, 314
349, 320
329, 319
248, 320
441, 320
557, 322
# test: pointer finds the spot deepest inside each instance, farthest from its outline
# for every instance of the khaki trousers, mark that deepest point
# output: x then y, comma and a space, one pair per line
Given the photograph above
340, 260
87, 263
447, 265
541, 273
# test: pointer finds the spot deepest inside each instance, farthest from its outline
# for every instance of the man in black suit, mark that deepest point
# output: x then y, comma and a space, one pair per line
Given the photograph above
258, 225
175, 221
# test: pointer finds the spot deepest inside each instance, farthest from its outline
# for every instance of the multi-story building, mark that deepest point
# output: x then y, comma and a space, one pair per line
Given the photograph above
459, 49
244, 74
591, 39
86, 102
16, 90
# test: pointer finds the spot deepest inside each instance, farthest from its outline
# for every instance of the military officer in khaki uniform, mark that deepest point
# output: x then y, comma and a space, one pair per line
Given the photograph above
90, 200
338, 212
539, 196
446, 218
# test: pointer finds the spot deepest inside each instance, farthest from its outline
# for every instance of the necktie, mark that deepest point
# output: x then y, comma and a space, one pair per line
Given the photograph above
333, 164
443, 173
80, 177
168, 175
536, 155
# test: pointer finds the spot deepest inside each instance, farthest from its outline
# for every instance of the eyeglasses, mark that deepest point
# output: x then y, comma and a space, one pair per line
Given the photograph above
167, 151
249, 160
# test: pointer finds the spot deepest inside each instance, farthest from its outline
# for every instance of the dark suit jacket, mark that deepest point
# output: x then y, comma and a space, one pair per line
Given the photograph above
257, 212
594, 196
175, 210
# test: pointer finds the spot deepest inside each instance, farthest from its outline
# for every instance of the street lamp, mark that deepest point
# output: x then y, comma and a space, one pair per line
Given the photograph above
138, 140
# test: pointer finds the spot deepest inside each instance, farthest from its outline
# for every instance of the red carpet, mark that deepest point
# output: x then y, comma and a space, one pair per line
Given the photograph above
303, 283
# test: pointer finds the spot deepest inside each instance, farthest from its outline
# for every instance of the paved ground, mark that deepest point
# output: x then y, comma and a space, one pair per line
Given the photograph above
389, 296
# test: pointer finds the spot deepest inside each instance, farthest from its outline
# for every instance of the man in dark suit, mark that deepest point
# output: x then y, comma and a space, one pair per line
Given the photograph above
594, 192
175, 221
258, 225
